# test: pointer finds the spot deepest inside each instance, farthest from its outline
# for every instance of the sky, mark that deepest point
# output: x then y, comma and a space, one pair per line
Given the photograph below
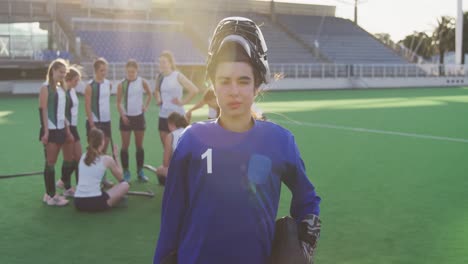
398, 18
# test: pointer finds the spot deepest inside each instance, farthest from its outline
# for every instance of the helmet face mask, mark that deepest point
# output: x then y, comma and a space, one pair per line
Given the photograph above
248, 35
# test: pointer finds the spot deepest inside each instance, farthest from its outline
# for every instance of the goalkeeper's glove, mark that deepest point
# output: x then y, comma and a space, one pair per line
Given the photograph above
309, 233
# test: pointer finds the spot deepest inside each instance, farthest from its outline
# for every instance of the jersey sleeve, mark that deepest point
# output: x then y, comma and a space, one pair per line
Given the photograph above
304, 200
175, 201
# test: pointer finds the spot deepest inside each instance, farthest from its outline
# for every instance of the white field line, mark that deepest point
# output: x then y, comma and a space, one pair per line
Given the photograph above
375, 131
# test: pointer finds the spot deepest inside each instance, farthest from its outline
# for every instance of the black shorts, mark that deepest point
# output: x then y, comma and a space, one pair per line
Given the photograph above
163, 125
136, 123
74, 132
92, 204
104, 126
56, 136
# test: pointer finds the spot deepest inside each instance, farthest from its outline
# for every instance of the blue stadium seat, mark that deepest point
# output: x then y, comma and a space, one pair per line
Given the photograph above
50, 55
119, 46
340, 40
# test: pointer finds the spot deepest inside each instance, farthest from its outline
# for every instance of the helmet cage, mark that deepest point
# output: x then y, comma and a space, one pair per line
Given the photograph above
248, 31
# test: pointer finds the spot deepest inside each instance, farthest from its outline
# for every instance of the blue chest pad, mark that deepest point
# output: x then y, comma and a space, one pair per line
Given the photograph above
259, 169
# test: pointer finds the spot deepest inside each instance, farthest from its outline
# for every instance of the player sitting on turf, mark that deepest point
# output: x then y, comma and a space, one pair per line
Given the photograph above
93, 165
177, 123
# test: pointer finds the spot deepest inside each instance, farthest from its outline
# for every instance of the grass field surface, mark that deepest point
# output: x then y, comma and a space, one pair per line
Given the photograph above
390, 165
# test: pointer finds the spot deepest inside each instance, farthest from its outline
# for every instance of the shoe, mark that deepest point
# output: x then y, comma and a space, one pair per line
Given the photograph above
69, 193
45, 198
126, 175
57, 200
141, 176
59, 184
106, 184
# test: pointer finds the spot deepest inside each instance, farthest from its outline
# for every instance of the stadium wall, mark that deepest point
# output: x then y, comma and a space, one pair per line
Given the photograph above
32, 87
365, 83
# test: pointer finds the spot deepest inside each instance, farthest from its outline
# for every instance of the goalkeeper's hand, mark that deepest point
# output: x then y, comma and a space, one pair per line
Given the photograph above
309, 233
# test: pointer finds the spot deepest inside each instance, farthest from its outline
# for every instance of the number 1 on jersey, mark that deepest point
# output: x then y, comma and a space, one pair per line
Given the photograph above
209, 161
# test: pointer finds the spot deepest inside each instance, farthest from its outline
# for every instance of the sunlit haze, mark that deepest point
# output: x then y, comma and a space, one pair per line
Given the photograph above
395, 17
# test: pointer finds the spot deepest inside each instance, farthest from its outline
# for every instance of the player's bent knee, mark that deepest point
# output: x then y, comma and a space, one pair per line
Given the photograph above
124, 186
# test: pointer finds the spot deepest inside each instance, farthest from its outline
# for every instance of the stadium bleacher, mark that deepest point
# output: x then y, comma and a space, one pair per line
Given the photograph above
282, 48
298, 44
119, 46
341, 40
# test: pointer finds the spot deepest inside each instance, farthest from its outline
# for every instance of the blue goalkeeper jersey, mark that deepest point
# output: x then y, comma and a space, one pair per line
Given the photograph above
222, 193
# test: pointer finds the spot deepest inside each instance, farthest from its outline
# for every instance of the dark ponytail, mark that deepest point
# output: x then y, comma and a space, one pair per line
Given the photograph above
95, 138
178, 120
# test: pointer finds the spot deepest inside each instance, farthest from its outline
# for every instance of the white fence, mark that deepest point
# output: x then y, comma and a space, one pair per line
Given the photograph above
116, 71
319, 71
295, 71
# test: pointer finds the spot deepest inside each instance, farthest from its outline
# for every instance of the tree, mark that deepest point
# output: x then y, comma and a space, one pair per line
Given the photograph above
444, 36
419, 43
384, 38
465, 36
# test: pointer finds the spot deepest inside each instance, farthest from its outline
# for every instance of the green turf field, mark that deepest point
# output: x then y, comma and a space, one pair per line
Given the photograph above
390, 165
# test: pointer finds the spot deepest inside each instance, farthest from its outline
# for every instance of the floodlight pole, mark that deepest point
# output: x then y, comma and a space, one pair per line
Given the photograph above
273, 11
459, 34
355, 11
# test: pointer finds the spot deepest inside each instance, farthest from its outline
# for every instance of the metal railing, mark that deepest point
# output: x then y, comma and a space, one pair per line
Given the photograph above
60, 37
317, 71
116, 71
100, 24
294, 71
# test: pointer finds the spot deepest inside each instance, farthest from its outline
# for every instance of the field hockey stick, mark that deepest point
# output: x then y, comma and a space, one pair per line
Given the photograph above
139, 193
112, 147
149, 167
6, 176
